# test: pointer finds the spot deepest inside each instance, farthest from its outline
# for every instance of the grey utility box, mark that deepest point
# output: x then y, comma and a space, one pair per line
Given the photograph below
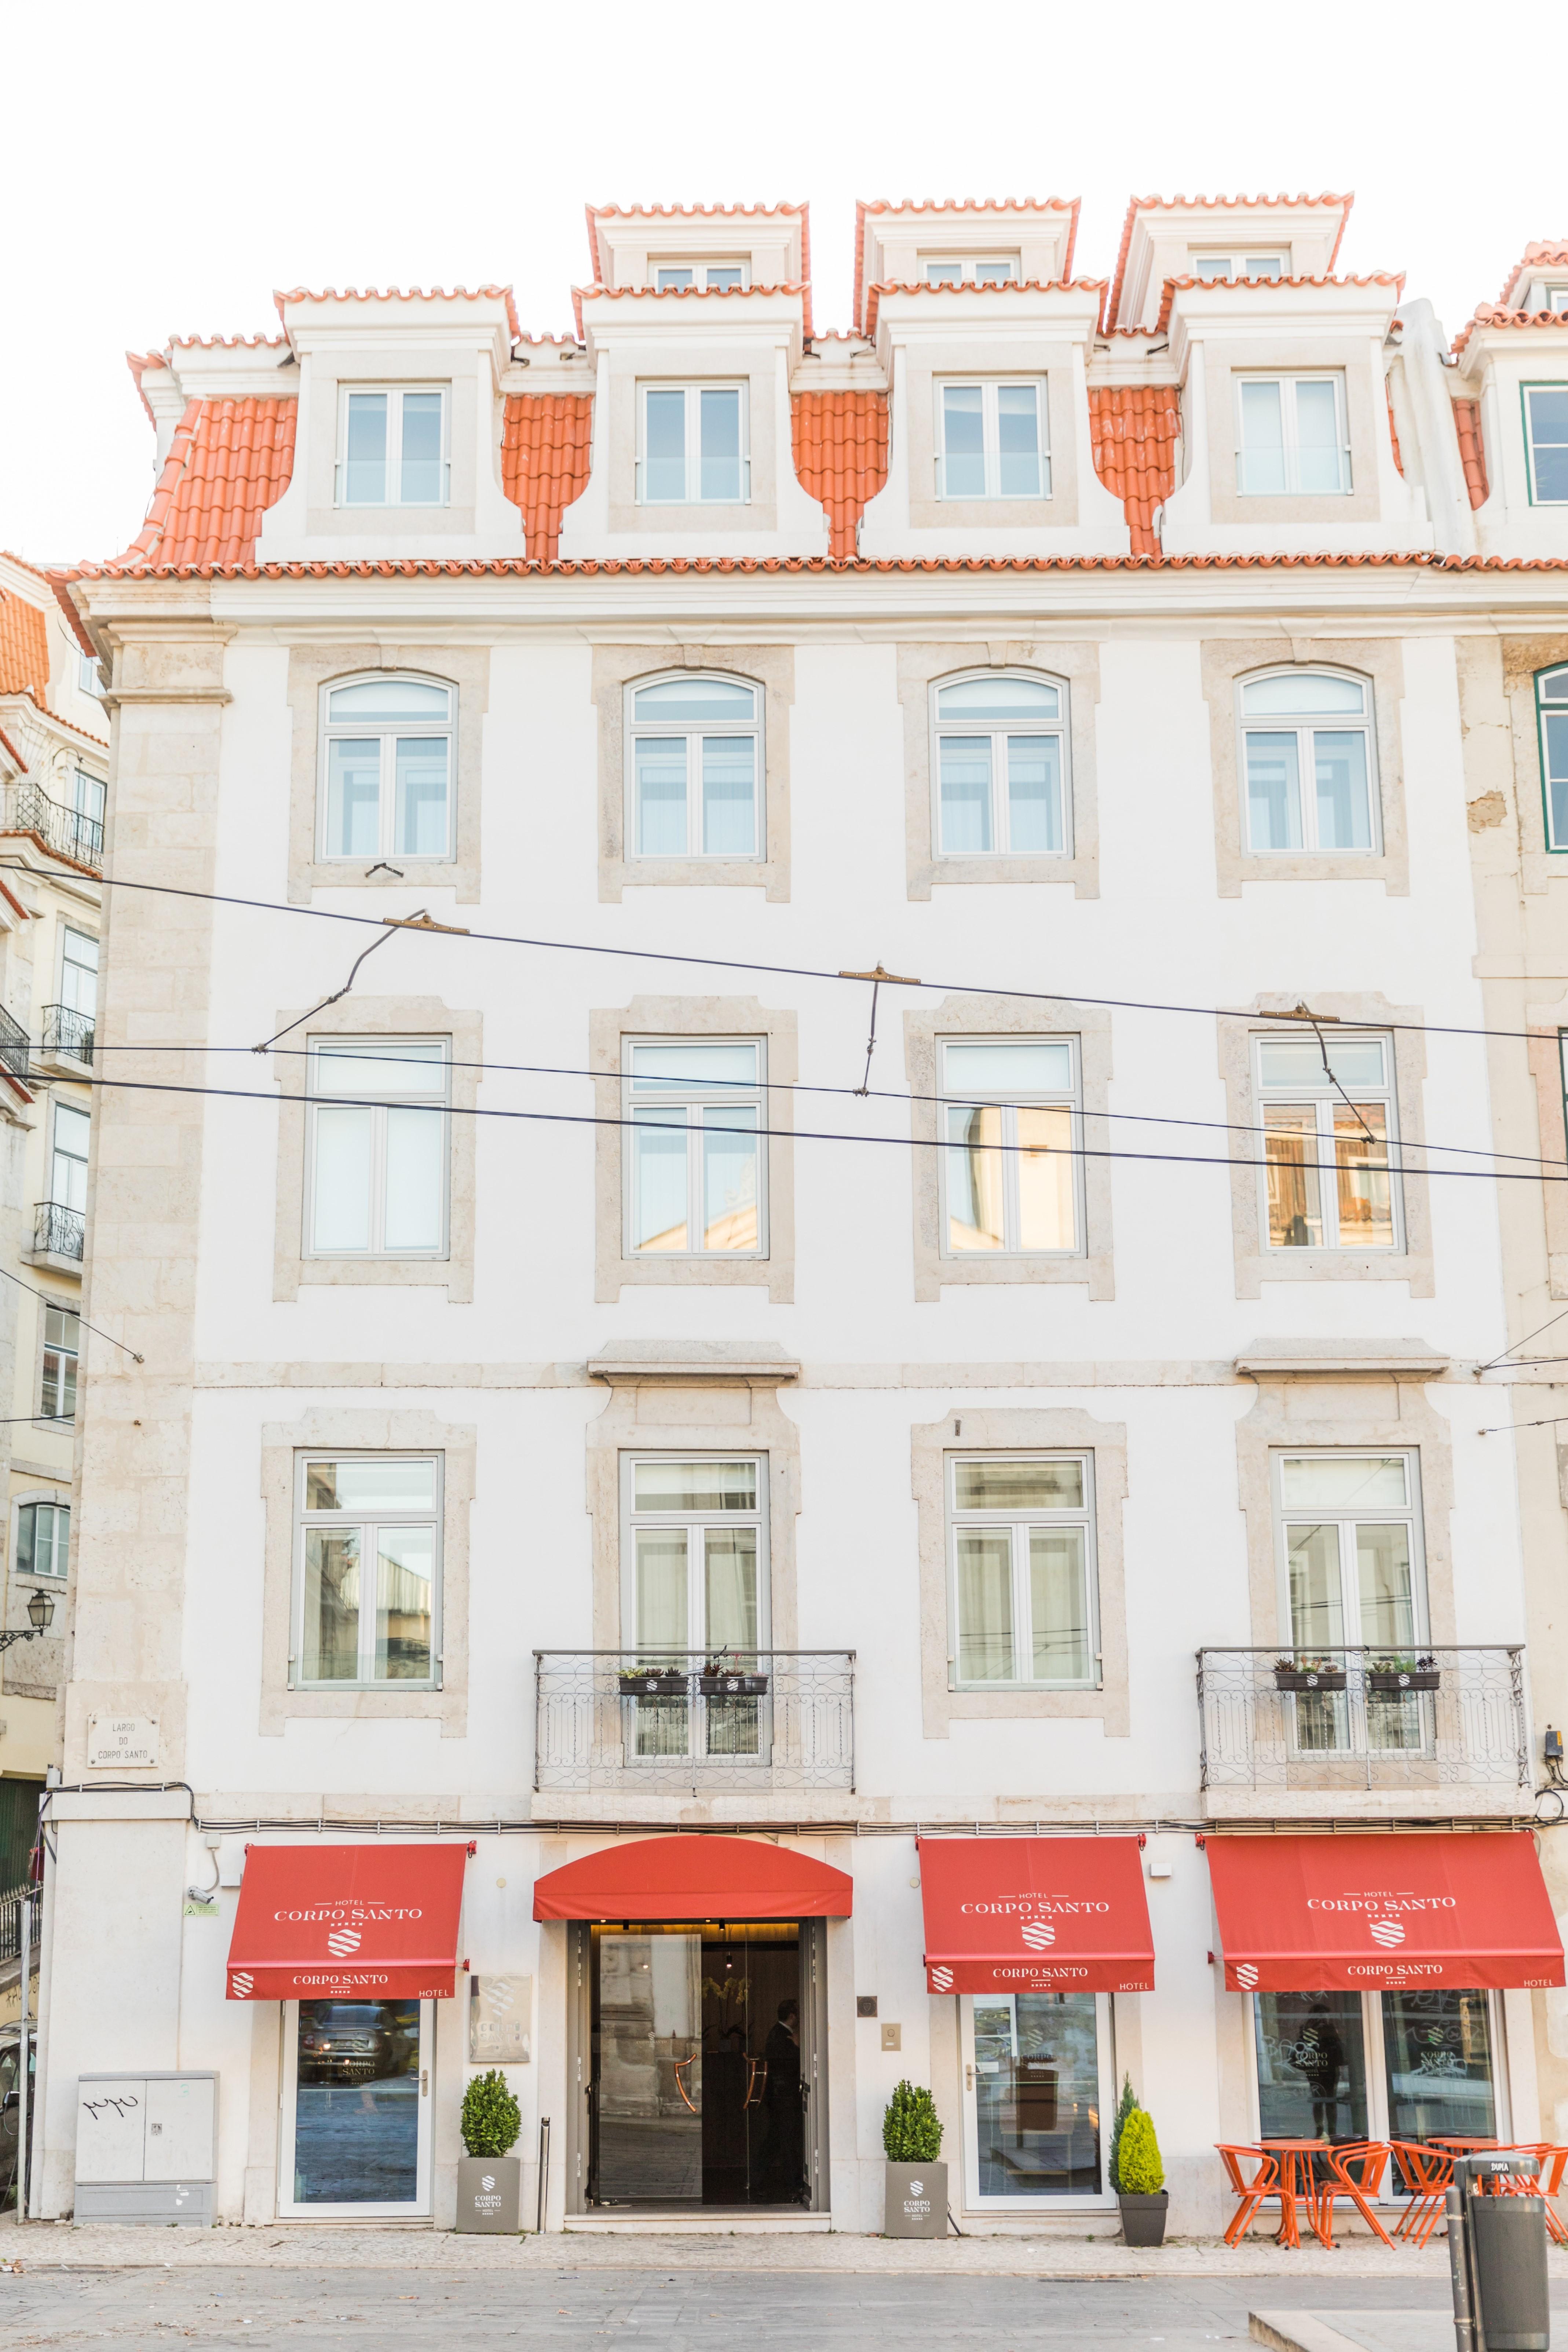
145, 2148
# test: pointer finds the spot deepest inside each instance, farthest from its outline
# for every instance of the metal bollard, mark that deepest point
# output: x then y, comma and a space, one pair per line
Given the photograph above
1459, 2272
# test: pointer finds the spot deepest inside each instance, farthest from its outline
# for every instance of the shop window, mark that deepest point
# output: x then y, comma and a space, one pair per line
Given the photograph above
1307, 754
366, 1605
377, 1146
386, 768
1023, 1599
1001, 768
1038, 2084
1292, 439
43, 1538
62, 1329
696, 768
1417, 2065
1552, 721
393, 448
696, 1171
693, 445
1546, 442
1329, 1142
1011, 1172
993, 441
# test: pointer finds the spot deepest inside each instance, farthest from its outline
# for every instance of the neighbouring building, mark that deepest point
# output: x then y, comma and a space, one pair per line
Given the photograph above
651, 1541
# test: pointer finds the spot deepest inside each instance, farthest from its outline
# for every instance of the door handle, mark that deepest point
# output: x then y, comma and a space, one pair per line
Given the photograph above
969, 2078
425, 2082
679, 2084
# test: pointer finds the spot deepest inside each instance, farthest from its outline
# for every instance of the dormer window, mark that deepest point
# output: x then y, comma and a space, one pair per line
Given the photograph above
387, 762
1554, 298
705, 277
1291, 436
693, 448
1209, 266
992, 441
1546, 436
970, 269
394, 449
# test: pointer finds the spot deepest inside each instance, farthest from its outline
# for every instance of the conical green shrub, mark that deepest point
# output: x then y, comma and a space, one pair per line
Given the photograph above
1128, 2102
1139, 2172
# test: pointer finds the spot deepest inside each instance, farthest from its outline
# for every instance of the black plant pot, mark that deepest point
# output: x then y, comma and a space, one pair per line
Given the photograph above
655, 1686
1144, 2217
732, 1685
1297, 1678
1396, 1685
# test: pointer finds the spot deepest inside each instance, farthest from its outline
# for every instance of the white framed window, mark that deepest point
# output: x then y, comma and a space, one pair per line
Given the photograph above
393, 447
78, 971
694, 1553
89, 676
1309, 759
695, 765
1293, 437
693, 444
1330, 1151
1552, 726
1002, 768
1555, 297
368, 1587
992, 440
696, 1171
1011, 1171
1039, 2089
67, 1170
88, 794
1546, 442
1348, 1528
969, 268
58, 1369
386, 2051
1209, 266
1418, 2065
1023, 1609
43, 1538
386, 768
377, 1146
708, 276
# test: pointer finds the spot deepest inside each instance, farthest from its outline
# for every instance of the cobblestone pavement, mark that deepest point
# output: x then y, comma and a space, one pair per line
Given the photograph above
317, 2309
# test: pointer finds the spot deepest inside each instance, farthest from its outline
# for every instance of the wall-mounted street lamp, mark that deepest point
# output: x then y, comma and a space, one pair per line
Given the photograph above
40, 1617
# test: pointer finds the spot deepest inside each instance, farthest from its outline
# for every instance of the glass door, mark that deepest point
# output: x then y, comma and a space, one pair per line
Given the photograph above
1355, 1598
1039, 2093
356, 2107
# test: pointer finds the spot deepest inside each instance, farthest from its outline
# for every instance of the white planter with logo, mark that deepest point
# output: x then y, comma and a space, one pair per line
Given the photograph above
489, 2189
916, 2202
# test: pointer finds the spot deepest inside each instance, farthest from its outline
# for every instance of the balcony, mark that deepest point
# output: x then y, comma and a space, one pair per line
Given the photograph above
65, 1033
617, 1722
59, 1233
1276, 1724
66, 831
13, 1047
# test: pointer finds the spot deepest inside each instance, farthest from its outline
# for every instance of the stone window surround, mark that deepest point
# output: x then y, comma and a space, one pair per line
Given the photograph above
1522, 660
364, 1430
923, 364
990, 1016
1379, 661
1013, 1429
693, 1017
1255, 1264
753, 364
691, 1413
376, 1017
312, 667
1348, 355
1548, 1027
1358, 1413
618, 668
921, 669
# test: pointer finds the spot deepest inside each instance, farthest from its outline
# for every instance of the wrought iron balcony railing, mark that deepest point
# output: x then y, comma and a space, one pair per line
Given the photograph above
1363, 1718
66, 831
13, 1046
64, 1029
59, 1230
619, 1721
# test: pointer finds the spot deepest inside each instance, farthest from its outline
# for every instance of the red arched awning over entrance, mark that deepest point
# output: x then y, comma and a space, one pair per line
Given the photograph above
694, 1878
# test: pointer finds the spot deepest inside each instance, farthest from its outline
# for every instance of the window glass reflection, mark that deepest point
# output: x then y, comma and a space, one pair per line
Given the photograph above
1312, 2066
1036, 2084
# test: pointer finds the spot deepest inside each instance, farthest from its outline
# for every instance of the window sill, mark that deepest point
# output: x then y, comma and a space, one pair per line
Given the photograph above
1027, 1690
356, 1690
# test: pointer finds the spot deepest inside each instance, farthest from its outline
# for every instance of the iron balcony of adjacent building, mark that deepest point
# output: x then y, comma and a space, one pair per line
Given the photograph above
65, 831
65, 1034
14, 1046
615, 1721
59, 1236
1362, 1717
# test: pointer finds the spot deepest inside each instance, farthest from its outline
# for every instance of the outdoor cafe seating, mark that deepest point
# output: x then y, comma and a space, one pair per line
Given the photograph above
1305, 2178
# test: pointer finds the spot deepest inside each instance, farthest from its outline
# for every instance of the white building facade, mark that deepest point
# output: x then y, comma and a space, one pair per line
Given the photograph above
592, 1409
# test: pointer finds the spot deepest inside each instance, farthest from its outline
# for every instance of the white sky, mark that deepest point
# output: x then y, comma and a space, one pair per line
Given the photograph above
166, 169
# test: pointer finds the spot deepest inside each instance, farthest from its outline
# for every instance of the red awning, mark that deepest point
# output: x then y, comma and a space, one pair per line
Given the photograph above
694, 1878
1036, 1914
347, 1922
1383, 1913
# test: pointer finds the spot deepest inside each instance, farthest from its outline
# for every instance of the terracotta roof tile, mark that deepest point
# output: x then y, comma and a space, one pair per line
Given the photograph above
840, 444
700, 212
228, 462
1209, 203
1394, 431
1135, 428
24, 646
1551, 255
1472, 449
602, 293
950, 287
394, 294
545, 448
956, 204
1175, 285
1490, 315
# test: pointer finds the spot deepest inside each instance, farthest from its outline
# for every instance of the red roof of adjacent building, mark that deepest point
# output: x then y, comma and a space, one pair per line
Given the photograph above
1551, 255
956, 204
1472, 450
1490, 315
1209, 203
840, 444
1135, 428
228, 462
24, 646
546, 445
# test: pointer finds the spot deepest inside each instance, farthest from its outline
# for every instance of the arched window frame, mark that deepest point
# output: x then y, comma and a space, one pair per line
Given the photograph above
1059, 727
1551, 705
695, 731
388, 733
1303, 723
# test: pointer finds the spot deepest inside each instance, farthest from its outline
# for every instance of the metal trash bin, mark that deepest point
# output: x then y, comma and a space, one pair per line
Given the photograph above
1497, 2252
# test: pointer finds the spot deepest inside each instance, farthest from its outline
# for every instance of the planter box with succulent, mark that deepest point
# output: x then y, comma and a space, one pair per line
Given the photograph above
1137, 2174
1298, 1673
490, 2181
654, 1682
721, 1680
1392, 1677
916, 2197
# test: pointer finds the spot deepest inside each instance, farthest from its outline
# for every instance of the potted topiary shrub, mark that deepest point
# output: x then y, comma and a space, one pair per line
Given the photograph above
1139, 2180
490, 2181
915, 2204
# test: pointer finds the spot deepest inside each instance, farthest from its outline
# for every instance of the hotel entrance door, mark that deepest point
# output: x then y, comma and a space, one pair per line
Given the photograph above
697, 2094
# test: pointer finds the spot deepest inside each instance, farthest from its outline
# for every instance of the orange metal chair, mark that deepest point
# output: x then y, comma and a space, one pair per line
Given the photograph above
1250, 2194
1426, 2172
1548, 2184
1354, 2171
